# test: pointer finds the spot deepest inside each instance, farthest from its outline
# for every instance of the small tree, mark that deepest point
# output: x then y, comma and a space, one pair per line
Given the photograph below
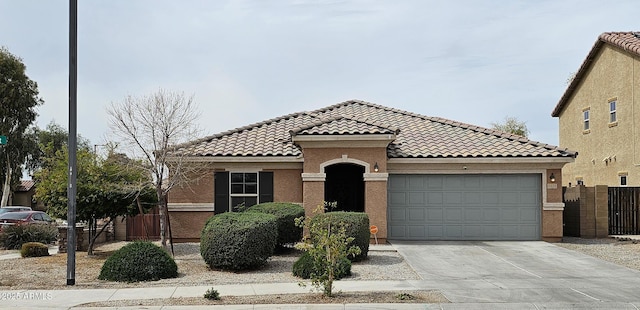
105, 189
328, 246
513, 126
150, 126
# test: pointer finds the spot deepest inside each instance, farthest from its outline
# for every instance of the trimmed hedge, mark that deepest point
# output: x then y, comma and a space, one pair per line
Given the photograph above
34, 249
285, 213
356, 225
14, 236
238, 240
139, 261
305, 266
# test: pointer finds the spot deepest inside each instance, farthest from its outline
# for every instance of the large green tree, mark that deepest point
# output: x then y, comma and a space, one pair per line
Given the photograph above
106, 188
18, 101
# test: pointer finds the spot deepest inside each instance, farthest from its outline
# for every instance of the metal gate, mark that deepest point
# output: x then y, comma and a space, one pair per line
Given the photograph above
624, 218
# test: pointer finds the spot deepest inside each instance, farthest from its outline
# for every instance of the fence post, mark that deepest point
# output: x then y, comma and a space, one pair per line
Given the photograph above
601, 211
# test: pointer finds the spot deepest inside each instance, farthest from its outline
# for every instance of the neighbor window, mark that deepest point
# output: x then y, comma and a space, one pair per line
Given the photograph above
585, 117
623, 180
624, 176
612, 111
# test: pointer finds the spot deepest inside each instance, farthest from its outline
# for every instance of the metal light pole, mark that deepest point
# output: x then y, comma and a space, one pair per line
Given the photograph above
71, 189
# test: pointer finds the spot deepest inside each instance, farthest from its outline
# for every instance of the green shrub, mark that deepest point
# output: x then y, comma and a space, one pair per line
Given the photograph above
305, 267
14, 236
285, 213
139, 261
356, 226
238, 240
212, 294
34, 249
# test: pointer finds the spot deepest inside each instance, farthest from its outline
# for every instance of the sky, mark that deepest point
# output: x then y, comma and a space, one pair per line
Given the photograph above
473, 61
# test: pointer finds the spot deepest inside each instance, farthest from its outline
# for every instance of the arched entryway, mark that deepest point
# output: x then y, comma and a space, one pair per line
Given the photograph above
344, 184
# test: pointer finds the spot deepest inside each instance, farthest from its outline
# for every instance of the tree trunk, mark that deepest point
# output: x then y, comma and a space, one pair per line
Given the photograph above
7, 183
162, 208
92, 241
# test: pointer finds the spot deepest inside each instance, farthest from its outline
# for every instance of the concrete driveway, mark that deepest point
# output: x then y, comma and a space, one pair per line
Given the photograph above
533, 273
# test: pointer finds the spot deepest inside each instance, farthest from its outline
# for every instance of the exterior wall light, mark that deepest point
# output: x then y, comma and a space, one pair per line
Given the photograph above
375, 167
552, 178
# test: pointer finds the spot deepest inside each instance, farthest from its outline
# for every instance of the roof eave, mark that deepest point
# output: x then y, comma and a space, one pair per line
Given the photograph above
577, 78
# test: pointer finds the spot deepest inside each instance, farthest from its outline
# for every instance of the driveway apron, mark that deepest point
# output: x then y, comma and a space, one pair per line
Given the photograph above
517, 272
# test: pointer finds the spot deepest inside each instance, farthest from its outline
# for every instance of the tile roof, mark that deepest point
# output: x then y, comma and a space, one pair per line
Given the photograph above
342, 125
417, 136
25, 185
627, 41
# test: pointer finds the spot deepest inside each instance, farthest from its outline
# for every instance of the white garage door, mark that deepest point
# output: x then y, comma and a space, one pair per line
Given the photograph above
464, 207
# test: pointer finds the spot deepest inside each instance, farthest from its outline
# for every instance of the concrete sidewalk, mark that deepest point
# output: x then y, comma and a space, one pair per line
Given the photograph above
71, 299
466, 291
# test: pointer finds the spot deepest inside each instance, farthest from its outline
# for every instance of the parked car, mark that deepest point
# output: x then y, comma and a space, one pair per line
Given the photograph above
25, 218
6, 209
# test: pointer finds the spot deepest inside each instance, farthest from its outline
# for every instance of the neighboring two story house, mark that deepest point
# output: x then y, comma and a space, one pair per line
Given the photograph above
599, 114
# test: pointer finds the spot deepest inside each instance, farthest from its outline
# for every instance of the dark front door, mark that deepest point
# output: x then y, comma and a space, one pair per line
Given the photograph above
345, 186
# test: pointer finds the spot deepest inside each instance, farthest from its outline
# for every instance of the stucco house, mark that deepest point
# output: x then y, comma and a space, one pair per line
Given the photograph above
598, 116
417, 177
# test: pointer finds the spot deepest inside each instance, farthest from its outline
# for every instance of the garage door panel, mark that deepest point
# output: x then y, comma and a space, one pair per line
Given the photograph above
417, 214
435, 214
530, 197
473, 197
398, 198
453, 214
416, 183
464, 207
491, 214
491, 198
472, 213
435, 198
435, 232
397, 215
454, 231
416, 232
416, 198
453, 198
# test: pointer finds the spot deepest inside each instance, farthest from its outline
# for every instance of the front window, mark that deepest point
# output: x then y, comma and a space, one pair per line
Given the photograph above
613, 111
585, 115
243, 189
623, 180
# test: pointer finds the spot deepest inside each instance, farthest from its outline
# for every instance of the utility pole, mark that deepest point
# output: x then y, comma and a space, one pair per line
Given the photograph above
73, 143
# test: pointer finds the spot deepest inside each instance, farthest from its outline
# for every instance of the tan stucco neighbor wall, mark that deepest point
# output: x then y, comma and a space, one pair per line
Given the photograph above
606, 150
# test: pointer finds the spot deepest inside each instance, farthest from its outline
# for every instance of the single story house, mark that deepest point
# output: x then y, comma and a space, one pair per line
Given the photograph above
417, 177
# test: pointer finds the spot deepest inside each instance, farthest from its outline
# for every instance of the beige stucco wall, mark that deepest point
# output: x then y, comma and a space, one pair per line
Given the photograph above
198, 190
187, 226
607, 149
196, 198
287, 185
375, 190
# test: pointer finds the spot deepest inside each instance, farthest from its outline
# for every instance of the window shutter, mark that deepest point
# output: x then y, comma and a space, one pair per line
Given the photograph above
266, 187
221, 188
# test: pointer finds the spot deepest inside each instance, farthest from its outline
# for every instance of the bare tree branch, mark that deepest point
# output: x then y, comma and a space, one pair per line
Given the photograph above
149, 126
